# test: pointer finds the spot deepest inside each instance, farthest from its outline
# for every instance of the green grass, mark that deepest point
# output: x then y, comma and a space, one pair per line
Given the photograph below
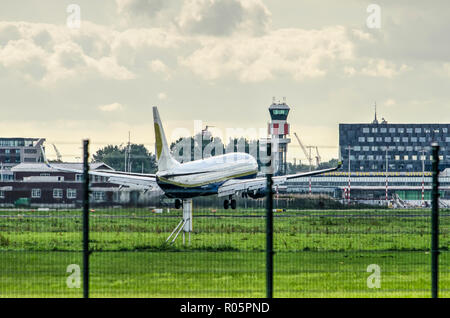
224, 274
316, 255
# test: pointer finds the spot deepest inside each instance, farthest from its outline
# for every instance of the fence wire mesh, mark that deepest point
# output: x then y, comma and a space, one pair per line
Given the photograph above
323, 246
318, 252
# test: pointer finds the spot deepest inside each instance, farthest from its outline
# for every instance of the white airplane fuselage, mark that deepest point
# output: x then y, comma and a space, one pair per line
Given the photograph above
205, 176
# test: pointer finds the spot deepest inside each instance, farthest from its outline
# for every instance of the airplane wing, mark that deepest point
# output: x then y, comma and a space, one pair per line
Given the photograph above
235, 186
142, 181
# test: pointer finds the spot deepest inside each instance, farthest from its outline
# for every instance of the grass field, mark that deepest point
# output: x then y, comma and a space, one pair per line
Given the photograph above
318, 253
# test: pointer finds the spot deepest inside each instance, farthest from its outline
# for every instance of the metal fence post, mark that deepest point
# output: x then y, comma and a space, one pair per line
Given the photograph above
435, 222
85, 219
269, 237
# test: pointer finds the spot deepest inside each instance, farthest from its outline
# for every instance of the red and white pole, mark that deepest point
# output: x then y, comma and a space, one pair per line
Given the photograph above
387, 203
423, 192
310, 188
423, 177
349, 187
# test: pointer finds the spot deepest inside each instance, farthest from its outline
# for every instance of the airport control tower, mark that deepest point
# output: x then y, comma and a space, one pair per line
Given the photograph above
279, 129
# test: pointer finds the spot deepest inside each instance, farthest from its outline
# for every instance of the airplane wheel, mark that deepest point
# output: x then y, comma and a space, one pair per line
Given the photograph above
177, 204
233, 204
226, 204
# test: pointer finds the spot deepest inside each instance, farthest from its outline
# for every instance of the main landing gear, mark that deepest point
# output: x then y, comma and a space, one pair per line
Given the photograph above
229, 203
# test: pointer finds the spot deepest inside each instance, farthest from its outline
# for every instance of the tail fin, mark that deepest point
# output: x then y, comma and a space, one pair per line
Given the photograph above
163, 156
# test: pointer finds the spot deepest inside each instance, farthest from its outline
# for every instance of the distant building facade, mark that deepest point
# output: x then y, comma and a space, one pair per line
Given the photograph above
37, 185
407, 147
14, 151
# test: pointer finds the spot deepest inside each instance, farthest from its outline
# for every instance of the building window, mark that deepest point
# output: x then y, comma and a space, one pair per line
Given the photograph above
401, 130
405, 139
374, 148
35, 193
409, 148
71, 193
361, 157
365, 148
57, 193
357, 148
444, 130
2, 194
401, 148
383, 130
392, 130
378, 139
387, 139
361, 139
99, 195
396, 139
78, 177
422, 139
374, 130
366, 130
418, 130
409, 130
369, 139
413, 139
44, 174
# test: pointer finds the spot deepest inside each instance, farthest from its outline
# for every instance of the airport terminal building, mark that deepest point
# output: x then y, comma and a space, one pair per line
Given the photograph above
402, 147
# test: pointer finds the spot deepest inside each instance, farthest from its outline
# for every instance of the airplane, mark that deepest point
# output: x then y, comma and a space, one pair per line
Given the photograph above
226, 175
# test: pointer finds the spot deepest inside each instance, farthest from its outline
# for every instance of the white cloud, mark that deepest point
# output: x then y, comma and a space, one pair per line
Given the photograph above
157, 66
390, 102
111, 107
383, 68
142, 12
296, 52
162, 96
46, 54
223, 17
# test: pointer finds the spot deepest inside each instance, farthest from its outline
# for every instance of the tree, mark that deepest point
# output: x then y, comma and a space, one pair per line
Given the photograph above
140, 159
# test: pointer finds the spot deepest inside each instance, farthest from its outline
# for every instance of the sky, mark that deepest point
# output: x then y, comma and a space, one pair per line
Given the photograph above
71, 70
